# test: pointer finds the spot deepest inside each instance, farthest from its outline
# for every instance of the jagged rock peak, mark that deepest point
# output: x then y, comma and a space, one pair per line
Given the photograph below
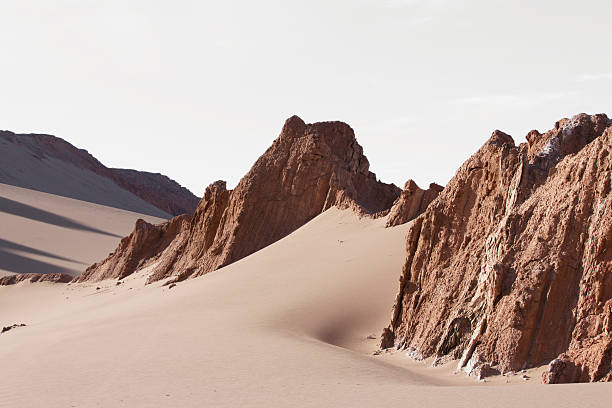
213, 189
308, 169
412, 202
500, 138
567, 137
219, 185
294, 127
510, 266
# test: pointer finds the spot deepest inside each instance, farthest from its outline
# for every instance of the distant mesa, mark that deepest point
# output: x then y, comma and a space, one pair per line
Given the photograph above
308, 169
510, 267
49, 164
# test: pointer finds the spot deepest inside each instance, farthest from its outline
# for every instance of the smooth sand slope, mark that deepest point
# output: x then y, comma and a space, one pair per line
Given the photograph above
286, 326
46, 233
25, 164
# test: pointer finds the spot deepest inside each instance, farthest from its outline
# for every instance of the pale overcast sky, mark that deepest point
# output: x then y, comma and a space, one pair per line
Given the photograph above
197, 90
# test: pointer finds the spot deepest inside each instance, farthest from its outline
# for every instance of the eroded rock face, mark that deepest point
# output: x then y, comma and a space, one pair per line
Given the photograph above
412, 202
144, 244
35, 277
511, 266
308, 169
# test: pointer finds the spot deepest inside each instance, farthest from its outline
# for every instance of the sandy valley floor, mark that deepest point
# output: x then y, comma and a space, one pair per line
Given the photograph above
46, 233
292, 325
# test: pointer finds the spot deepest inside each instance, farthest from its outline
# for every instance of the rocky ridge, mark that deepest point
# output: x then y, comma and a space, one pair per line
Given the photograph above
35, 277
511, 266
308, 169
412, 202
44, 155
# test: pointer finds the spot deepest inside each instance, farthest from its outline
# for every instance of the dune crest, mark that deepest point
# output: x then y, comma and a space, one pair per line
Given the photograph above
308, 169
510, 267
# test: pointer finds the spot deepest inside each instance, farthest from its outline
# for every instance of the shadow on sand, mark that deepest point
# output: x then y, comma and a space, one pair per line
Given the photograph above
22, 264
13, 246
27, 211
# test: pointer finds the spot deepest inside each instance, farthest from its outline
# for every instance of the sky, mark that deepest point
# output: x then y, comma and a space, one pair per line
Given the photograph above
198, 90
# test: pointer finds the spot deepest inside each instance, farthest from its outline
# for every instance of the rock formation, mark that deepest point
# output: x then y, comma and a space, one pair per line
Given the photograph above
145, 243
308, 169
35, 277
412, 202
52, 165
511, 266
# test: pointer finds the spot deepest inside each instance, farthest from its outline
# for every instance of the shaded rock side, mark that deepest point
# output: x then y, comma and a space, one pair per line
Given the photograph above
412, 202
511, 266
143, 245
35, 277
308, 169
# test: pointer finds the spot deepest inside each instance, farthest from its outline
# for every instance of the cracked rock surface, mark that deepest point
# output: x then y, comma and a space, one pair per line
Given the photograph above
511, 266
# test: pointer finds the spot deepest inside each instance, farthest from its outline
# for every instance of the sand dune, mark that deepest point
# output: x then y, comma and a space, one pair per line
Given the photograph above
286, 326
52, 165
46, 233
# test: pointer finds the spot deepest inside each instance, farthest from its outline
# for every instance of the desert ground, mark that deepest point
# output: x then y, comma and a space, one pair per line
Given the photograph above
295, 324
22, 166
47, 233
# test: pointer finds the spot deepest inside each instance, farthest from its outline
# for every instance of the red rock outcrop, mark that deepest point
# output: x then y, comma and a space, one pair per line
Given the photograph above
511, 266
145, 243
308, 169
35, 277
412, 202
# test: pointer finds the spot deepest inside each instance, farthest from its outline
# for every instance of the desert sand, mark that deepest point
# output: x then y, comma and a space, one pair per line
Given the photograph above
52, 165
46, 233
295, 324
